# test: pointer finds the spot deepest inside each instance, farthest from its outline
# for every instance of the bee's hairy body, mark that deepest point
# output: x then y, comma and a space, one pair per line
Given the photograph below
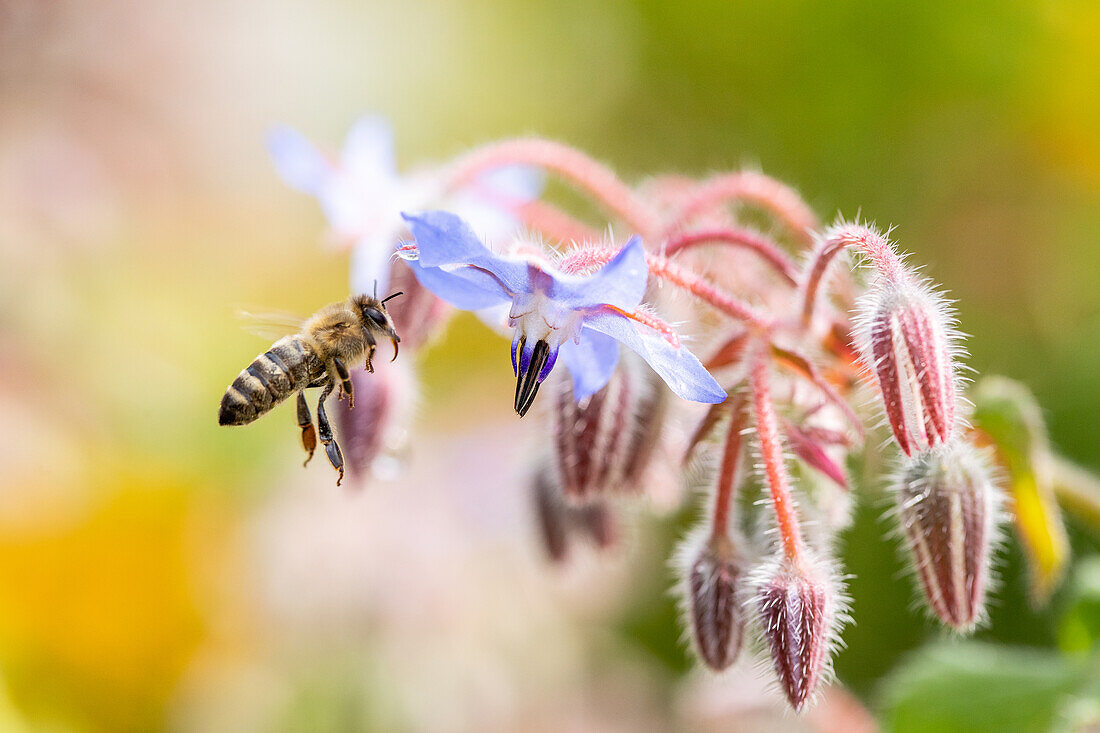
337, 335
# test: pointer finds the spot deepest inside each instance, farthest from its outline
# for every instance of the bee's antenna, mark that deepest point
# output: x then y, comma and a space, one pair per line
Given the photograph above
391, 297
376, 290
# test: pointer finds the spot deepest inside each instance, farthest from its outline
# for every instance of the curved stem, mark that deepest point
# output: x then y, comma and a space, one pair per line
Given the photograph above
771, 453
755, 188
728, 474
768, 250
575, 167
866, 240
552, 222
683, 278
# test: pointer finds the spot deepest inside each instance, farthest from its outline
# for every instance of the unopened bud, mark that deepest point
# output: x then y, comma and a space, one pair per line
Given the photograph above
558, 522
378, 423
604, 443
798, 604
596, 521
946, 507
713, 594
907, 341
550, 516
419, 311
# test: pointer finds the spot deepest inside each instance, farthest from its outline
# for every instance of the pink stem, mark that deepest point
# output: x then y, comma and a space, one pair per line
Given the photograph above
572, 165
768, 250
727, 475
756, 188
771, 452
681, 277
552, 222
867, 241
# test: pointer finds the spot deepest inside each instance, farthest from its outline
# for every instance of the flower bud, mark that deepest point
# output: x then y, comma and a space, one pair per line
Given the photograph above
550, 516
946, 508
419, 312
558, 522
798, 605
908, 342
378, 423
713, 592
597, 522
604, 443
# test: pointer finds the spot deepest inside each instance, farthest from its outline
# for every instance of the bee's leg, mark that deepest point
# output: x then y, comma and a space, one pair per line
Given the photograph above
305, 422
345, 381
372, 345
324, 430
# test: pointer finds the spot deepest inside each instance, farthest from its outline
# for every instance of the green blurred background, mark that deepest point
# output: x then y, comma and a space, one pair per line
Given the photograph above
160, 573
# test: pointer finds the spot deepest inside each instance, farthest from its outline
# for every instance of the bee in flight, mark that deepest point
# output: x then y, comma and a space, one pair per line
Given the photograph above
317, 356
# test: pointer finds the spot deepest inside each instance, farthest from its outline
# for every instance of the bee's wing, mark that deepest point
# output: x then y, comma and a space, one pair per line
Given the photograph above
272, 326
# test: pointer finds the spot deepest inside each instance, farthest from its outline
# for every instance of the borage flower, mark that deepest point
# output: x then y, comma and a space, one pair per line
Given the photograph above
578, 318
362, 194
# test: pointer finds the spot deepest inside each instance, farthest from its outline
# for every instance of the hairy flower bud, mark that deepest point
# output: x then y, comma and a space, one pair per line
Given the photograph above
420, 311
557, 521
946, 508
798, 605
712, 597
550, 515
908, 341
596, 521
604, 443
378, 422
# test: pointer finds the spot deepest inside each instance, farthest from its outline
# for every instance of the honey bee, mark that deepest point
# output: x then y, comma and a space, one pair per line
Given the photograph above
316, 356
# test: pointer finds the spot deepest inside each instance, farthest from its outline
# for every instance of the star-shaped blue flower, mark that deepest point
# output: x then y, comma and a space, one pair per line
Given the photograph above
362, 194
580, 319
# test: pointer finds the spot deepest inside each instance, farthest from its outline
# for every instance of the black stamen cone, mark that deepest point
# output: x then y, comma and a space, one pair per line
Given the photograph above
527, 382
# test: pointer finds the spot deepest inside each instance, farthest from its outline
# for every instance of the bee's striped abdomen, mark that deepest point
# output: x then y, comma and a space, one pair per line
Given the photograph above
289, 365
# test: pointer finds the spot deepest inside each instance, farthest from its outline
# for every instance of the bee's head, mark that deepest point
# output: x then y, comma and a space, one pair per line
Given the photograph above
375, 317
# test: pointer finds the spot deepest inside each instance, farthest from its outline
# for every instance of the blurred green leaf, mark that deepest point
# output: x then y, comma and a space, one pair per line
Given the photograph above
970, 686
1080, 628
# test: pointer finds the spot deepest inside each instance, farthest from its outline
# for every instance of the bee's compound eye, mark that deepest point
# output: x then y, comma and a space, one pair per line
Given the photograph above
375, 315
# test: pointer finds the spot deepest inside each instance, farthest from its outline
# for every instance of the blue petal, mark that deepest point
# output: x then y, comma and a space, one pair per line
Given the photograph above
465, 288
621, 282
368, 149
679, 368
590, 362
444, 239
298, 161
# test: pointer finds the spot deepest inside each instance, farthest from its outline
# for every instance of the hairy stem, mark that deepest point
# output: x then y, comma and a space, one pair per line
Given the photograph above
573, 166
681, 277
552, 222
771, 453
728, 474
866, 240
768, 250
755, 188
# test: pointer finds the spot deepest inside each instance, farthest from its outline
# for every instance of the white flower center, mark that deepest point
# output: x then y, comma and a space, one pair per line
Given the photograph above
538, 318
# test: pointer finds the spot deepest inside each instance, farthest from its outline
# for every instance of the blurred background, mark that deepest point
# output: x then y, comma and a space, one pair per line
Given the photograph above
158, 572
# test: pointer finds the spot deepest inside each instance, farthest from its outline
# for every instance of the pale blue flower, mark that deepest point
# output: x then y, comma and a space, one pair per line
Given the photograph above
362, 194
580, 318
